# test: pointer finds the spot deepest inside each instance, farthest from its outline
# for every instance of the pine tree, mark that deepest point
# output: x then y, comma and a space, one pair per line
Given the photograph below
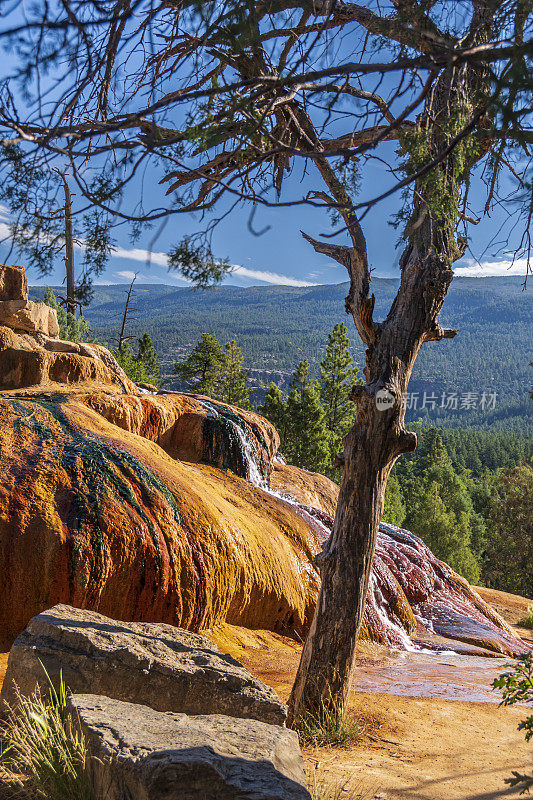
70, 328
202, 369
308, 439
274, 409
233, 389
509, 558
134, 369
337, 375
442, 512
394, 510
147, 356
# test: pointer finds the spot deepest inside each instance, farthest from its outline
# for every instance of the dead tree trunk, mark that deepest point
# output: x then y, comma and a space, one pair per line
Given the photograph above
378, 436
69, 252
122, 338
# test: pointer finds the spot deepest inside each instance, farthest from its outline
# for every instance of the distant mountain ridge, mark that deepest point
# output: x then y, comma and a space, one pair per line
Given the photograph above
278, 325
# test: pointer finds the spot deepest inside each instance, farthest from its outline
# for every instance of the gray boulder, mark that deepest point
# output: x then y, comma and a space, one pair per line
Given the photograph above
140, 753
154, 664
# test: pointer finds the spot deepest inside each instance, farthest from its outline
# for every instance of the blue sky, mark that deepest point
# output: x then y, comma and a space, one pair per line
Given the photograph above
281, 256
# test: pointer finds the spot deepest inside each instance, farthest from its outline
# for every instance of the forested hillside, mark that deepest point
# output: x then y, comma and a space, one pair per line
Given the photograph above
278, 326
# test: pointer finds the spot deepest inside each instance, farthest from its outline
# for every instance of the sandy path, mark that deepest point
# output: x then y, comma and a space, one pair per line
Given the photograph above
411, 748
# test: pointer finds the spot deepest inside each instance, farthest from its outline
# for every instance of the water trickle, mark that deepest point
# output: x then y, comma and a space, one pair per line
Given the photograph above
410, 590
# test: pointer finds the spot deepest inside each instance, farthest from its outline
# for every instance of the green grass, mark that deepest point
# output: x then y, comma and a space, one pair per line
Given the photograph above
42, 756
527, 620
328, 728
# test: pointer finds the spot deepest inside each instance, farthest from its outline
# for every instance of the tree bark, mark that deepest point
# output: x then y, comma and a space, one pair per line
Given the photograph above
378, 436
69, 252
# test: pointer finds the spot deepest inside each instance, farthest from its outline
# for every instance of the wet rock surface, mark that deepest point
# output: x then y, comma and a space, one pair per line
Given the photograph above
152, 664
196, 429
150, 755
97, 517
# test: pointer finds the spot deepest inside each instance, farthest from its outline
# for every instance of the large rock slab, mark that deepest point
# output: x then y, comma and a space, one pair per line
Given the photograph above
148, 755
154, 664
13, 283
30, 317
37, 359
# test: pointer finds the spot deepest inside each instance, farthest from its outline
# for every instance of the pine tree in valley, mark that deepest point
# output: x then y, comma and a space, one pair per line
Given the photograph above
147, 356
338, 375
233, 389
441, 512
308, 436
203, 367
274, 409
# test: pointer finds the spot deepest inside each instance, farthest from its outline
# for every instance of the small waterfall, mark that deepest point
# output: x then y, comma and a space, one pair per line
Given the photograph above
254, 473
237, 452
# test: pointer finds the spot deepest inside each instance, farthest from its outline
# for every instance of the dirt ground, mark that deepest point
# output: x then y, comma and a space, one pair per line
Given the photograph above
411, 748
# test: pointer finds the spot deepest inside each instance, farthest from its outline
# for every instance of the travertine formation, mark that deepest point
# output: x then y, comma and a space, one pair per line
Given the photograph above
152, 664
97, 517
195, 428
157, 507
33, 357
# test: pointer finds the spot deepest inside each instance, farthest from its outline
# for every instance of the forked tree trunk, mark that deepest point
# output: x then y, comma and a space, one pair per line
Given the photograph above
378, 436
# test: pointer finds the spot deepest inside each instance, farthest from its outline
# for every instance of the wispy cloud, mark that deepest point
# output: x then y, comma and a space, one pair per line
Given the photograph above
128, 275
136, 254
161, 259
491, 269
268, 277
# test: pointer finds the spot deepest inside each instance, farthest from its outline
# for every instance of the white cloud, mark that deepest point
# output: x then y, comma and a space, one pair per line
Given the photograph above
161, 260
268, 277
127, 275
490, 269
135, 254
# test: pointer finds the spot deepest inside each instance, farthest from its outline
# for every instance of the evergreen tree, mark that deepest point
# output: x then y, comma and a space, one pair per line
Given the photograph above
394, 510
147, 356
70, 328
308, 440
509, 560
442, 513
274, 409
337, 375
233, 389
203, 367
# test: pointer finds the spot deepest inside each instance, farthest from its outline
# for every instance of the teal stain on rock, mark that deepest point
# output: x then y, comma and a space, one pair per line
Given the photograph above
107, 472
223, 446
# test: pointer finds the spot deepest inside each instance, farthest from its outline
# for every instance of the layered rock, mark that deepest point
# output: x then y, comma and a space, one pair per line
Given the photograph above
150, 664
149, 755
33, 357
13, 283
97, 517
37, 362
196, 429
20, 313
